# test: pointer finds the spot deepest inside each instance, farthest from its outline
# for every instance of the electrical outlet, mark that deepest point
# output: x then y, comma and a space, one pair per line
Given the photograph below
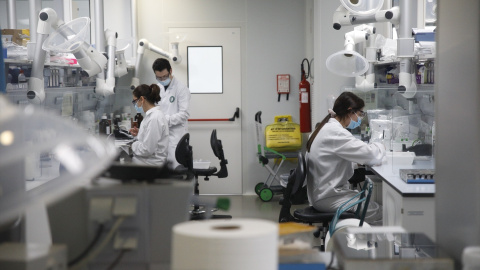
126, 239
101, 209
125, 206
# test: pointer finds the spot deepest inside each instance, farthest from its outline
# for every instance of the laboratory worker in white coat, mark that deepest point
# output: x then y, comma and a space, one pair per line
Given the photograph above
174, 103
151, 147
333, 153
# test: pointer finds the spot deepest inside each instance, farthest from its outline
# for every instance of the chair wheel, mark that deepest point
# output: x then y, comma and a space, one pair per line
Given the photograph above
259, 187
266, 194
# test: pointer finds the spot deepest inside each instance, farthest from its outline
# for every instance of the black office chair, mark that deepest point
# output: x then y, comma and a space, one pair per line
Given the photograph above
309, 214
184, 156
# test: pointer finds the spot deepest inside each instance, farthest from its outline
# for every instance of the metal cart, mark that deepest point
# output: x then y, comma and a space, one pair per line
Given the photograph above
272, 185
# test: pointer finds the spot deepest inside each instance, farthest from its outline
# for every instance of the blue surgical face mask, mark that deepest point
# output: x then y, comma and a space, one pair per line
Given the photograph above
139, 109
164, 83
354, 124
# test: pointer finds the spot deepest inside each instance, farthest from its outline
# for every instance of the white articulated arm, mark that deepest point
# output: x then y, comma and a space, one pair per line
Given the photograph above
144, 44
36, 89
354, 37
366, 82
91, 61
405, 51
106, 87
158, 50
343, 17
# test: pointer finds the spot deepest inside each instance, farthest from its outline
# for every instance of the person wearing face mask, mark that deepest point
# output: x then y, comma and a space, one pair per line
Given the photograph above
333, 153
175, 102
152, 138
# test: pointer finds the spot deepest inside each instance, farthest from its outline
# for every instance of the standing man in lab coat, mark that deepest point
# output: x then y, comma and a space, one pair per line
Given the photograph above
174, 103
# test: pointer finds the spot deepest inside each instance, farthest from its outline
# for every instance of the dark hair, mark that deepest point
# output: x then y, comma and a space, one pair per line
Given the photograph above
161, 64
150, 93
346, 103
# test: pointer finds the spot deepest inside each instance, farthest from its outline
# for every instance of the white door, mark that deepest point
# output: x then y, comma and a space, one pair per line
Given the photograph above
216, 106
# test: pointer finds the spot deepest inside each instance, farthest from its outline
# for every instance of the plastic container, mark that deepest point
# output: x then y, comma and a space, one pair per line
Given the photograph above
400, 158
283, 134
471, 258
201, 164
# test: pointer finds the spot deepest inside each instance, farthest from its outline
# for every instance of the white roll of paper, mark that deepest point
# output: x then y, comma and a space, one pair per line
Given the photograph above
235, 244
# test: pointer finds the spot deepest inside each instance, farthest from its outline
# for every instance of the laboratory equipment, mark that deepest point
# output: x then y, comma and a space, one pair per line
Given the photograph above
65, 153
418, 176
361, 12
149, 211
68, 37
348, 62
63, 158
388, 250
174, 38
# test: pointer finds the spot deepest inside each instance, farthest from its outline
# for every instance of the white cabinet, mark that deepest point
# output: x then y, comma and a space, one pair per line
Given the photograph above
415, 213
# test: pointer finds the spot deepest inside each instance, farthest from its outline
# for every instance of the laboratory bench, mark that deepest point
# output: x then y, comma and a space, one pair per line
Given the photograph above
411, 206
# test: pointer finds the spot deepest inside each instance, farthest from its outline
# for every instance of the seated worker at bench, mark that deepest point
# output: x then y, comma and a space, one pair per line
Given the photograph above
332, 153
151, 147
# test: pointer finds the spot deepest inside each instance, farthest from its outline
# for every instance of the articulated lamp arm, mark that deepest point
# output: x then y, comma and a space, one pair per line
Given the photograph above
106, 87
144, 44
343, 17
88, 58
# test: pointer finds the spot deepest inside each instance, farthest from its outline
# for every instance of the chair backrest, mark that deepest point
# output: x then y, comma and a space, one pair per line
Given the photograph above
184, 152
295, 179
362, 202
217, 148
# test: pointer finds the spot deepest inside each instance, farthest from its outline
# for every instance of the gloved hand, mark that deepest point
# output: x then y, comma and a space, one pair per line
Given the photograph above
134, 131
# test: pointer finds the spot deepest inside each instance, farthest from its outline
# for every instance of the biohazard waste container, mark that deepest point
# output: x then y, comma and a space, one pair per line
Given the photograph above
283, 135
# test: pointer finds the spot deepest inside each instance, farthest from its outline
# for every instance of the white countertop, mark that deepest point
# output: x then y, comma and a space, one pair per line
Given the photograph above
390, 173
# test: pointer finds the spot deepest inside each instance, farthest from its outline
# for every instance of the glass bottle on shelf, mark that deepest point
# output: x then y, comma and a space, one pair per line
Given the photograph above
138, 119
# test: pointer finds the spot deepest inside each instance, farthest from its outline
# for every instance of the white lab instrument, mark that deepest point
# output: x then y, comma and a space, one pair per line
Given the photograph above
405, 50
362, 11
366, 82
348, 62
68, 37
353, 12
78, 156
174, 38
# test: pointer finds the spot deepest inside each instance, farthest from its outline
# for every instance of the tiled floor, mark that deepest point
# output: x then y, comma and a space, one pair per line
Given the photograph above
250, 206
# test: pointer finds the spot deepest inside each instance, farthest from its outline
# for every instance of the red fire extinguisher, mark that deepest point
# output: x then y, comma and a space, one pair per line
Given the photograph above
304, 93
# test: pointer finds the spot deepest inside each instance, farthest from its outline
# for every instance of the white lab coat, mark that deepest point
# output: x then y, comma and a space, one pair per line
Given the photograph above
330, 164
152, 140
174, 103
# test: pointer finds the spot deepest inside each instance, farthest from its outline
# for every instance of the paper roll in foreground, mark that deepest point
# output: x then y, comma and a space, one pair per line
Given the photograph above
225, 244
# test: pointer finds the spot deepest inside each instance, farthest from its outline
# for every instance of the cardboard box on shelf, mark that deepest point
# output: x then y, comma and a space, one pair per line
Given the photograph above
17, 36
